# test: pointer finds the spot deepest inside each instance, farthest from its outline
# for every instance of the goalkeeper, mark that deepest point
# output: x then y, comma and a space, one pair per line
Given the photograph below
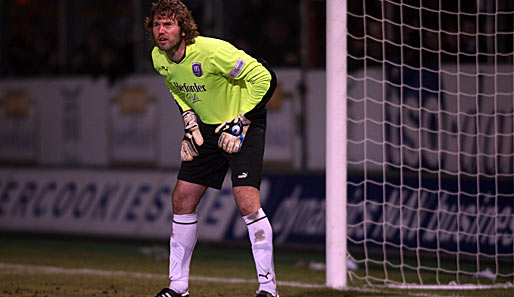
222, 93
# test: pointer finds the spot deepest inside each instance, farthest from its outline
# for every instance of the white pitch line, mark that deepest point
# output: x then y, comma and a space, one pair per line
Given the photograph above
7, 268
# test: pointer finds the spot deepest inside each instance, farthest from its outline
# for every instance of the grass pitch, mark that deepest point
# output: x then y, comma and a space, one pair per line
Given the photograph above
64, 266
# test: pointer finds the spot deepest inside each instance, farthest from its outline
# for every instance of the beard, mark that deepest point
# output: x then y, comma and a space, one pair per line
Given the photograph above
172, 44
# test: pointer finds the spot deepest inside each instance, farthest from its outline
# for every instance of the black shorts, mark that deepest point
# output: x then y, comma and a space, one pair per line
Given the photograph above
211, 166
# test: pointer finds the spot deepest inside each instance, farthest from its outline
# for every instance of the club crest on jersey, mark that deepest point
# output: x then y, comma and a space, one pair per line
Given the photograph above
197, 69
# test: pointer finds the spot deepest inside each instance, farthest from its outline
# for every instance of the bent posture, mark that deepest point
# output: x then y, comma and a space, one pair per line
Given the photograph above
222, 93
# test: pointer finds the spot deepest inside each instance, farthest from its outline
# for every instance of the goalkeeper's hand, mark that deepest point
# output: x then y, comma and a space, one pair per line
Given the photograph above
233, 133
192, 136
188, 150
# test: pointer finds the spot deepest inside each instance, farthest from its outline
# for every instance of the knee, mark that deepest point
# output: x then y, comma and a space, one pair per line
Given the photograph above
180, 208
182, 203
248, 206
247, 199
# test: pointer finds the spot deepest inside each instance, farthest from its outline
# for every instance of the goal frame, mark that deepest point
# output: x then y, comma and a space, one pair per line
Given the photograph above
336, 173
337, 155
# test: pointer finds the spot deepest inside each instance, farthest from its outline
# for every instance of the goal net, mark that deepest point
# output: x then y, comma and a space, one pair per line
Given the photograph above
430, 143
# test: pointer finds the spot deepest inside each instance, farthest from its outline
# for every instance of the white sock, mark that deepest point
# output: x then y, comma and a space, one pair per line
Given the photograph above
261, 237
182, 242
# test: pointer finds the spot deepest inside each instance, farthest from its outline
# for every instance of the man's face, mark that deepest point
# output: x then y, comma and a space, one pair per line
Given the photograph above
167, 33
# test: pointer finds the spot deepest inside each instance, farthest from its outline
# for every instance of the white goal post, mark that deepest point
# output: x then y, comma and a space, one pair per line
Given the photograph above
336, 145
420, 143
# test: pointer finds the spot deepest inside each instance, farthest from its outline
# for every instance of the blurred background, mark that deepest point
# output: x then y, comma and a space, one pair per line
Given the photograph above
105, 41
77, 37
89, 133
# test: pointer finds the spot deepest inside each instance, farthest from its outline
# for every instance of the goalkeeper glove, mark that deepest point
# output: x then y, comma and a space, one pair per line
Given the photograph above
192, 136
233, 133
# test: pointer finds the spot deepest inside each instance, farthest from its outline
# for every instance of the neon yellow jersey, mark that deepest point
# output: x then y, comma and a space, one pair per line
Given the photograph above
214, 79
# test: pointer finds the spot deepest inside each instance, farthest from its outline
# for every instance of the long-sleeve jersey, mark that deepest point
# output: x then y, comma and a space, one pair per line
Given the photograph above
214, 79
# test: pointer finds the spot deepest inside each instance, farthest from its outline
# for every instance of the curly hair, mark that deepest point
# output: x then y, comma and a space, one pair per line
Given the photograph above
177, 10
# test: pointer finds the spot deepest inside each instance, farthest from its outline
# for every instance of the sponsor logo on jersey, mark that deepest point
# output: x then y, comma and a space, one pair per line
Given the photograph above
192, 97
194, 88
190, 90
237, 68
197, 69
